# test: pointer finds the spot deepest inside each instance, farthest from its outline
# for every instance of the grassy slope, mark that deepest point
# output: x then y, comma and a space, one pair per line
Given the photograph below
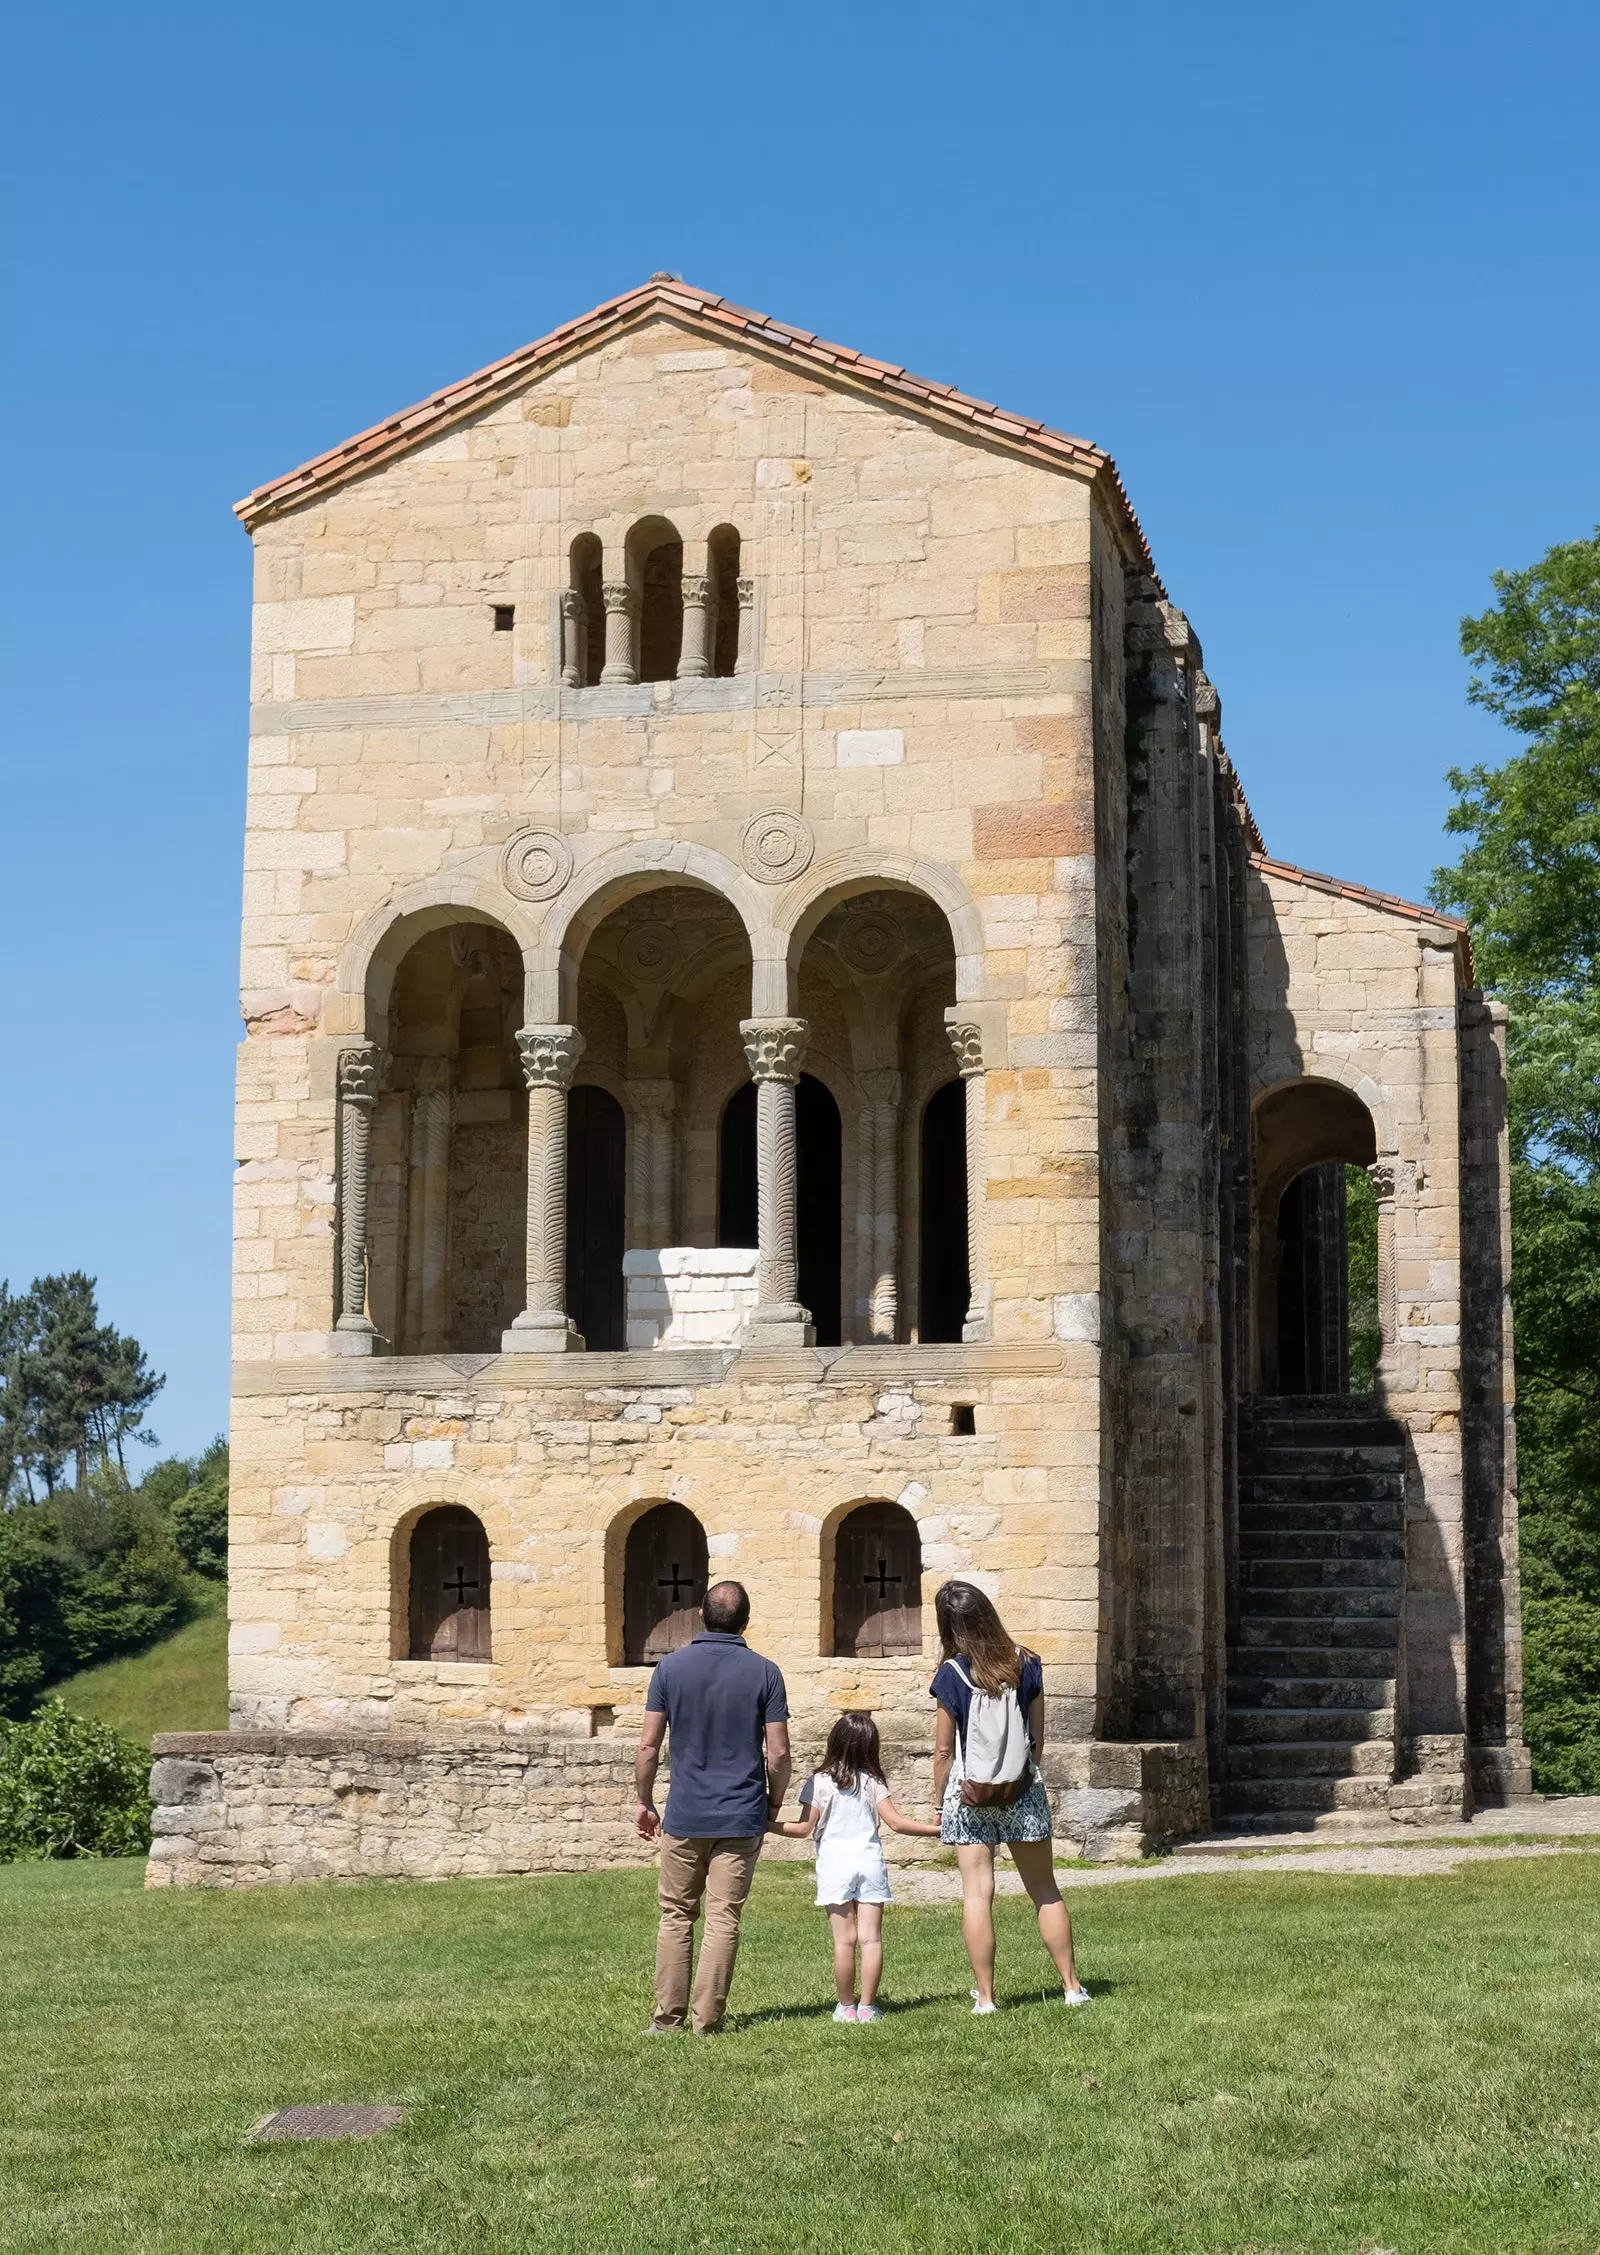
179, 1684
1294, 2066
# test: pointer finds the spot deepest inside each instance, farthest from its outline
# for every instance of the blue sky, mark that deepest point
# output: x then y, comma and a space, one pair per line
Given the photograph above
1322, 280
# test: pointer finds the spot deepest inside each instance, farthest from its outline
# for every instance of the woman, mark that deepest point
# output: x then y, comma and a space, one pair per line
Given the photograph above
980, 1657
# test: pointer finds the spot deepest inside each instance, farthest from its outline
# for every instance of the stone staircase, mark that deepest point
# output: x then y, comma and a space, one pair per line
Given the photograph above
1311, 1672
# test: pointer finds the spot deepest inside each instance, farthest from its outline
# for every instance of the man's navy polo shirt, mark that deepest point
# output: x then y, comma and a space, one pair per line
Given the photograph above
718, 1697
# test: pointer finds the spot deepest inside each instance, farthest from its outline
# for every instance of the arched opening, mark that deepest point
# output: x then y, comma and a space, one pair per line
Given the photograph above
655, 555
597, 1140
585, 577
448, 1566
664, 1569
722, 558
819, 1220
447, 1198
1316, 1298
945, 1284
877, 1584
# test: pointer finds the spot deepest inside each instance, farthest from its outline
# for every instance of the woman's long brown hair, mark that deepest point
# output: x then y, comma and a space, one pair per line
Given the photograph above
971, 1630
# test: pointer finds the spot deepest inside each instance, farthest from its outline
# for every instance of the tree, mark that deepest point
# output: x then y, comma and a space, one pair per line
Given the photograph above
71, 1388
1529, 881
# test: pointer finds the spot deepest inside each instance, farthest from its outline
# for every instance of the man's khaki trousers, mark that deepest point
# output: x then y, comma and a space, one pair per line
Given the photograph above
721, 1872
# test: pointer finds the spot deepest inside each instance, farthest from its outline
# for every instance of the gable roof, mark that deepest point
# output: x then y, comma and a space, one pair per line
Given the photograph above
710, 316
1389, 904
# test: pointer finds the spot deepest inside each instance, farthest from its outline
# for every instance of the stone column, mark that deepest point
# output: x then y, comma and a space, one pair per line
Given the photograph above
694, 659
745, 661
776, 1050
427, 1303
622, 606
574, 639
549, 1057
881, 1149
966, 1039
1382, 1174
651, 1104
360, 1074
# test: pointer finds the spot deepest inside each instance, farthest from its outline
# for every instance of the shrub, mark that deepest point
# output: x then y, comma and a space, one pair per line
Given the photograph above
35, 1642
124, 1580
71, 1787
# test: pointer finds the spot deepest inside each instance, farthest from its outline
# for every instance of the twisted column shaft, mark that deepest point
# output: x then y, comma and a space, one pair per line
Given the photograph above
360, 1074
966, 1039
775, 1048
549, 1056
694, 658
621, 604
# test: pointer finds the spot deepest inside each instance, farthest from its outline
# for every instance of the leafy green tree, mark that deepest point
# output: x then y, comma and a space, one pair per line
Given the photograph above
1529, 880
35, 1640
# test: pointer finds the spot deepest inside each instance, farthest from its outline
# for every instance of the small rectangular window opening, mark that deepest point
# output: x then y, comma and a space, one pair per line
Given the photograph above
963, 1417
505, 617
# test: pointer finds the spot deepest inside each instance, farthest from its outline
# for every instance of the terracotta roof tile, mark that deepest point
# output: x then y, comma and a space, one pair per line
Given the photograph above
713, 316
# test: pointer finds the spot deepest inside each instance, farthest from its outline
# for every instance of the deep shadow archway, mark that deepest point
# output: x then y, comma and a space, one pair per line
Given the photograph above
942, 1268
597, 1142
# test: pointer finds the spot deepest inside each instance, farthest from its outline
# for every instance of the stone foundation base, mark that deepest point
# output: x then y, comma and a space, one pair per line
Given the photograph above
1501, 1775
249, 1808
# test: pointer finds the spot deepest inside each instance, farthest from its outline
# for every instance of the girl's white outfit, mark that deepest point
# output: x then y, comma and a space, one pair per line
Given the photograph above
850, 1865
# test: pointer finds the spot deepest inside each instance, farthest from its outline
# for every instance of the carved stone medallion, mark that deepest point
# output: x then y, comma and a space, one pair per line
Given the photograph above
536, 864
871, 941
776, 847
650, 953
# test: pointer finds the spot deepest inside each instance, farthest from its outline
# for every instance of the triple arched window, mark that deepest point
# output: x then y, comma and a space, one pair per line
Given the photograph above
673, 613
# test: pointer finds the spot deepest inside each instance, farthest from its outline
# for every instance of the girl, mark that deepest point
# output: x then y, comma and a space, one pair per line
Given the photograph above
845, 1801
980, 1657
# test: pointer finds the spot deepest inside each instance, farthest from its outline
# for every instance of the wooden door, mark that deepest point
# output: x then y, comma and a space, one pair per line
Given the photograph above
663, 1583
449, 1586
877, 1584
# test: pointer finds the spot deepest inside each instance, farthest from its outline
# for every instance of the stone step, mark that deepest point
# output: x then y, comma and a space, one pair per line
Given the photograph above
1297, 1820
1329, 1690
1258, 1796
1313, 1757
1369, 1658
1342, 1516
1327, 1544
1282, 1726
1291, 1458
1317, 1487
1367, 1577
1290, 1631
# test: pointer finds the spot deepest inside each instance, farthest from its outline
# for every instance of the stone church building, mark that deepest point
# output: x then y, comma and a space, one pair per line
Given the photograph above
775, 1049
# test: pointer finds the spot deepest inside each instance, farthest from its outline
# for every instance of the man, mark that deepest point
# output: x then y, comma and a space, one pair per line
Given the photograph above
728, 1714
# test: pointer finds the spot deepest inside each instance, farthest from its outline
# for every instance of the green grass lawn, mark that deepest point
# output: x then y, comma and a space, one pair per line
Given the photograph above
179, 1684
1315, 2066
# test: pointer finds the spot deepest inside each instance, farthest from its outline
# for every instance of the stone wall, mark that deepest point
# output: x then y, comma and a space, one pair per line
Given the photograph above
252, 1807
688, 1295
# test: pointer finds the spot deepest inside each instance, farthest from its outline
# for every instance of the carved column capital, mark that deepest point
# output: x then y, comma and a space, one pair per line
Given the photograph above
572, 604
775, 1047
361, 1073
696, 590
618, 598
549, 1055
1383, 1178
966, 1039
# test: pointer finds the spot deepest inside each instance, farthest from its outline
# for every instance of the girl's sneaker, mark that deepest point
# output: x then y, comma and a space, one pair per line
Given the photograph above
980, 2008
1079, 1995
865, 2012
844, 2012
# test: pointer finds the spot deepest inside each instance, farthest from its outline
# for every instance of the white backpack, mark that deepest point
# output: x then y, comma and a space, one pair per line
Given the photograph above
994, 1760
